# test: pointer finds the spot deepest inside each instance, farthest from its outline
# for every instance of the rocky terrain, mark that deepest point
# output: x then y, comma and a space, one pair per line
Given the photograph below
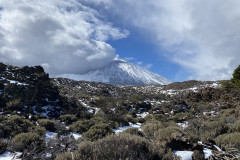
59, 118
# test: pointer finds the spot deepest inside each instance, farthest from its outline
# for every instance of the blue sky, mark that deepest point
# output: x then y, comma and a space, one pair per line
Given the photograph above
178, 39
137, 49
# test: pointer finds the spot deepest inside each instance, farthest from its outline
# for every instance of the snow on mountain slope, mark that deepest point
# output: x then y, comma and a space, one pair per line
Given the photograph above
120, 72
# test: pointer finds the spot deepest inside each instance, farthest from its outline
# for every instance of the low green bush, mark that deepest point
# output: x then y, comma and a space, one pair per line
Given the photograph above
3, 146
134, 131
204, 130
181, 116
235, 127
81, 126
228, 140
160, 117
27, 141
168, 133
68, 118
48, 124
41, 131
123, 146
14, 125
65, 156
97, 131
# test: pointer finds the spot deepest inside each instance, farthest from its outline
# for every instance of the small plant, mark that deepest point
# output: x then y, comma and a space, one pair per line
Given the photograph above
123, 146
97, 131
27, 141
134, 131
229, 140
65, 156
46, 123
68, 118
3, 146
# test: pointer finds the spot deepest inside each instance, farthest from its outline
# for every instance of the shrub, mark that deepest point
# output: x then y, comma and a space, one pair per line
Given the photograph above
60, 128
213, 129
229, 140
203, 130
81, 126
180, 116
160, 117
97, 131
46, 123
27, 141
3, 146
65, 156
117, 147
198, 155
14, 125
2, 67
235, 127
41, 131
150, 128
68, 118
168, 133
236, 77
134, 131
227, 84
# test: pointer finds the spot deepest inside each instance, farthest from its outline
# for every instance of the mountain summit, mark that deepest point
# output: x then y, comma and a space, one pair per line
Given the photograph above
120, 72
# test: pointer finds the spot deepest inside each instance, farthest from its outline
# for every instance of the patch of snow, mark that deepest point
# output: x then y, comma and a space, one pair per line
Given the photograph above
76, 135
207, 152
185, 155
183, 125
90, 111
218, 148
50, 135
10, 156
121, 129
18, 83
142, 115
90, 108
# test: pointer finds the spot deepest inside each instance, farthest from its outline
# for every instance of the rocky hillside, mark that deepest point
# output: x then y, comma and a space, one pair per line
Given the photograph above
43, 118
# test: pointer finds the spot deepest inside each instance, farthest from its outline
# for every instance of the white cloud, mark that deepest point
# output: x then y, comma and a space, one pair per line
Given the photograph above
202, 36
62, 36
129, 58
148, 66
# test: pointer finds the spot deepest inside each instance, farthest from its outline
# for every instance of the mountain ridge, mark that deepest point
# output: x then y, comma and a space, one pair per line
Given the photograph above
120, 72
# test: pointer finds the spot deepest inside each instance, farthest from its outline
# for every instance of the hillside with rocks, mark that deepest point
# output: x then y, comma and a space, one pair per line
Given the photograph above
58, 118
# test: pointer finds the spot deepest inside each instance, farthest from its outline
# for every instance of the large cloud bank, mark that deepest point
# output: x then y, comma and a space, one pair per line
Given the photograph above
63, 36
200, 35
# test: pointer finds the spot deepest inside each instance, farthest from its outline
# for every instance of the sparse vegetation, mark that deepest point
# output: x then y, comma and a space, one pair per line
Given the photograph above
172, 117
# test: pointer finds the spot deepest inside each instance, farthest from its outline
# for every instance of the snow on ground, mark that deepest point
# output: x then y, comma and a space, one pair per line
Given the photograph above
10, 156
142, 115
16, 82
183, 125
207, 152
218, 148
50, 135
121, 129
76, 135
91, 109
212, 113
185, 155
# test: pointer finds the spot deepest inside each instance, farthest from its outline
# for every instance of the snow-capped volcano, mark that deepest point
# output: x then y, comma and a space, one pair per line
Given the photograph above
120, 72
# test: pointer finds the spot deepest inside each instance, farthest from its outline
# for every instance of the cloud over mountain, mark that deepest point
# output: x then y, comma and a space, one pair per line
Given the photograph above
202, 36
63, 36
